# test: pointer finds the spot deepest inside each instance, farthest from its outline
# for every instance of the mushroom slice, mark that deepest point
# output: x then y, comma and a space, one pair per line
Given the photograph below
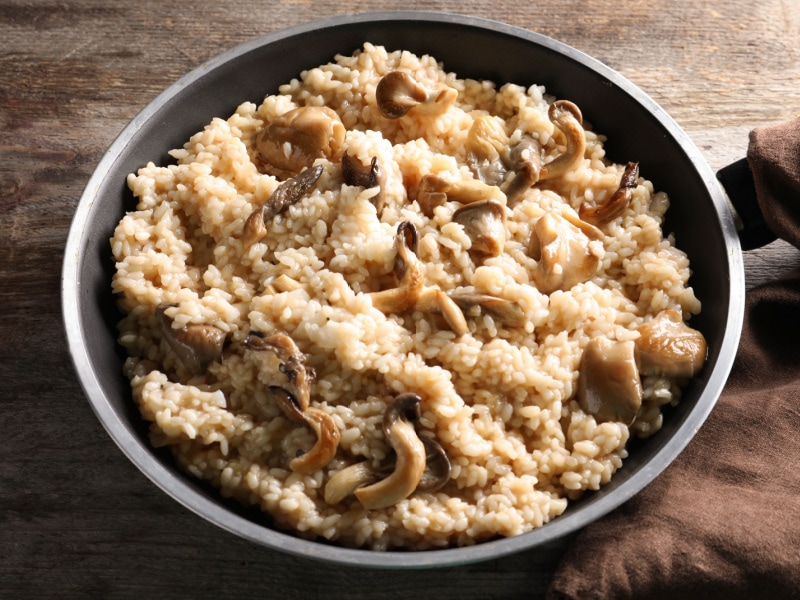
297, 138
348, 480
398, 427
288, 404
355, 173
408, 272
560, 245
437, 466
397, 93
292, 363
433, 299
504, 310
668, 347
434, 191
487, 144
613, 207
485, 224
608, 382
327, 442
287, 193
525, 160
567, 117
195, 345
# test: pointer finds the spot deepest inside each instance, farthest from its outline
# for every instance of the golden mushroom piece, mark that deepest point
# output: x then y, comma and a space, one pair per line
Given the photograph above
407, 271
195, 345
561, 246
397, 94
668, 347
485, 224
434, 191
608, 381
293, 141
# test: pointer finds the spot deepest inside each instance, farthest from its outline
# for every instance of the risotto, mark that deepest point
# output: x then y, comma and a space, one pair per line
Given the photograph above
395, 308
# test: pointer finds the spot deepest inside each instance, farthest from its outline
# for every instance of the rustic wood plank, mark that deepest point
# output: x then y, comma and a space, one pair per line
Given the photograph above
76, 518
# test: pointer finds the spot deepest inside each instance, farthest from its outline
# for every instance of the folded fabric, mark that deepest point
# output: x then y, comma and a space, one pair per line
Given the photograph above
723, 521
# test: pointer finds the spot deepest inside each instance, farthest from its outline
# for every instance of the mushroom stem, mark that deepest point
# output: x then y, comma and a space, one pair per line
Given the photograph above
433, 299
327, 442
407, 270
506, 311
410, 450
567, 117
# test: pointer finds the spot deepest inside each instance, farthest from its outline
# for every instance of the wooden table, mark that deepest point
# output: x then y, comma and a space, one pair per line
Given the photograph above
77, 519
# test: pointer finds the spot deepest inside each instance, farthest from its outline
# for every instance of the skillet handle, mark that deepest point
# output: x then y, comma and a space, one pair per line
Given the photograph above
737, 179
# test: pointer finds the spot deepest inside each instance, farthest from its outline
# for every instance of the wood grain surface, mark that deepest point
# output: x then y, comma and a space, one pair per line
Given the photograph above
76, 518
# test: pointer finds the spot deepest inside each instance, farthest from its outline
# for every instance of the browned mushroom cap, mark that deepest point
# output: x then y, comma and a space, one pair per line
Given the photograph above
485, 224
608, 382
613, 207
407, 270
327, 442
399, 430
504, 310
292, 363
195, 345
487, 145
560, 245
286, 194
434, 191
397, 93
355, 173
668, 347
567, 117
297, 138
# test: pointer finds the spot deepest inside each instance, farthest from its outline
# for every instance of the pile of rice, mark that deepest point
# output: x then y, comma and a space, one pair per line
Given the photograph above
499, 400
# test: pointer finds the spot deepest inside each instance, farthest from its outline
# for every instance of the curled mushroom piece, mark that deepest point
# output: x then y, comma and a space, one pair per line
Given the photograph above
292, 363
608, 382
397, 94
613, 207
327, 442
485, 224
567, 117
561, 246
504, 310
355, 173
398, 427
287, 193
195, 345
525, 160
293, 141
348, 480
668, 347
434, 191
407, 271
437, 466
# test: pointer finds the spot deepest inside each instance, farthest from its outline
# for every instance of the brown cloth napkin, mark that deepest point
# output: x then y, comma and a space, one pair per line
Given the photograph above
723, 521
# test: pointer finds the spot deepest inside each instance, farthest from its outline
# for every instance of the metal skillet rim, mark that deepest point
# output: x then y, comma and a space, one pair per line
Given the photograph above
274, 539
